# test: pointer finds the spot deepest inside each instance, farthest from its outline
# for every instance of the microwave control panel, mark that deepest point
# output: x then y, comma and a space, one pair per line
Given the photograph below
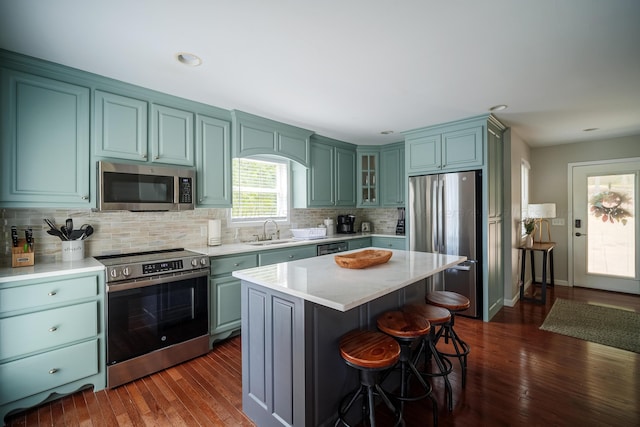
185, 190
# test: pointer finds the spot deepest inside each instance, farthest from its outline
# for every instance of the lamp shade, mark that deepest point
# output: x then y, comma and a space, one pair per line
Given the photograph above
542, 210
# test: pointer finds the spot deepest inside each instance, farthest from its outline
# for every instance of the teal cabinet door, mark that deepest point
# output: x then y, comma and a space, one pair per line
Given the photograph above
255, 135
44, 142
294, 146
213, 162
321, 176
392, 176
462, 148
225, 303
120, 126
172, 139
345, 177
423, 153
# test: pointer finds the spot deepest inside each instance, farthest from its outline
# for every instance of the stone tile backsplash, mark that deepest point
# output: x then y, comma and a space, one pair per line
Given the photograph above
123, 231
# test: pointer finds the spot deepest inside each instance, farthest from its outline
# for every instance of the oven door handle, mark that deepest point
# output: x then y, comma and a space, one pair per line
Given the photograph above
141, 283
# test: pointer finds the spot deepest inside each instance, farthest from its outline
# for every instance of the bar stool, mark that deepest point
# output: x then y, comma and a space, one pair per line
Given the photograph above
369, 352
455, 303
407, 328
437, 316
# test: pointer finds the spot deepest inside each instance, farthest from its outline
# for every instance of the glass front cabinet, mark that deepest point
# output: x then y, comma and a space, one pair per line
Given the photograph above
368, 168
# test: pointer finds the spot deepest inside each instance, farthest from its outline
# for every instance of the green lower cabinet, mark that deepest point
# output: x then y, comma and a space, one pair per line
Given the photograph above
364, 242
389, 242
52, 338
225, 294
225, 297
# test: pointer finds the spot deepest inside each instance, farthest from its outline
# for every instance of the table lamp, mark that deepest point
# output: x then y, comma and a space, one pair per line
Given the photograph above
540, 213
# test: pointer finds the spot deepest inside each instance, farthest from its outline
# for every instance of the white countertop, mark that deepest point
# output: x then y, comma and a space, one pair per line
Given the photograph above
238, 248
38, 271
322, 281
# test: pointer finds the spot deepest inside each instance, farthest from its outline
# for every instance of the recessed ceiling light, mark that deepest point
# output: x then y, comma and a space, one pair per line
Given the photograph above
590, 129
498, 107
386, 132
189, 59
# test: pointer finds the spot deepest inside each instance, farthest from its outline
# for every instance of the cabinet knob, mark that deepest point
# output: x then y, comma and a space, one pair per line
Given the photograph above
156, 157
52, 293
236, 265
291, 256
144, 156
53, 329
85, 197
53, 371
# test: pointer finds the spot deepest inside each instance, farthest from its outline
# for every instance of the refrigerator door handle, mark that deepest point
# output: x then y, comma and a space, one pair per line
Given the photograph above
435, 244
441, 230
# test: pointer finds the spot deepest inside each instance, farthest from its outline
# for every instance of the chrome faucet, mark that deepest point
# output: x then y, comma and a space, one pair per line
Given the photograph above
264, 230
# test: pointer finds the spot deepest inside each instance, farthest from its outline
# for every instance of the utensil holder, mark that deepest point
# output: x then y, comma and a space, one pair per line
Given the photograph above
20, 258
72, 250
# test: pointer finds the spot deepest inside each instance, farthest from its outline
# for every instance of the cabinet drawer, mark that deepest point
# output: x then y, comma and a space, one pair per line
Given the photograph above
389, 242
228, 264
45, 371
359, 243
285, 255
38, 331
52, 292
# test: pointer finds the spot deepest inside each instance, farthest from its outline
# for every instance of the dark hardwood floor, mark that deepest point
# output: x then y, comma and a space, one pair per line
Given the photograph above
518, 375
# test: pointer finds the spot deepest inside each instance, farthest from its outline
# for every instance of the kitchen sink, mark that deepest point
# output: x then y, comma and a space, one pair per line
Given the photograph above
270, 242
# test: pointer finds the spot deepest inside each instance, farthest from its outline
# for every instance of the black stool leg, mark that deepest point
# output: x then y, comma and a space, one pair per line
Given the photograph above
461, 348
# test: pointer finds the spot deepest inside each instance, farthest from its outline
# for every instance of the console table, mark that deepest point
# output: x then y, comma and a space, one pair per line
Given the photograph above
547, 254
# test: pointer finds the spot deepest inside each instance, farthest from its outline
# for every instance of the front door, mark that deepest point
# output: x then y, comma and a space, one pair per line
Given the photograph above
605, 237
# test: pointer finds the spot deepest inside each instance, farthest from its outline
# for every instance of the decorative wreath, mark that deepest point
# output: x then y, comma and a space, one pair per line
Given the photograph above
607, 205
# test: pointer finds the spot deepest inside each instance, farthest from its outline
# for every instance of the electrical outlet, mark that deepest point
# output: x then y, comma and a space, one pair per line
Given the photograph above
557, 221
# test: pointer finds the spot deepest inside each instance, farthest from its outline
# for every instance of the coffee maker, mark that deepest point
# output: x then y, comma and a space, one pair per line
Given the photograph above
346, 224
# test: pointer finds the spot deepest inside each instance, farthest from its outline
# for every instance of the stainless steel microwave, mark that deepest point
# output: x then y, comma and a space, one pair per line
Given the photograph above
145, 187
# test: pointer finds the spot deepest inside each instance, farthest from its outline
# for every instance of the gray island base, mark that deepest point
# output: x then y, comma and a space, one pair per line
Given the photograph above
293, 315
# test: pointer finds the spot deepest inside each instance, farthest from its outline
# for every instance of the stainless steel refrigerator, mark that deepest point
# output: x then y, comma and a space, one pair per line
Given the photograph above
444, 217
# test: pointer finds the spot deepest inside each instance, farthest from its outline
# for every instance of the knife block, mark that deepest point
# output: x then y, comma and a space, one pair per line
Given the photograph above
20, 258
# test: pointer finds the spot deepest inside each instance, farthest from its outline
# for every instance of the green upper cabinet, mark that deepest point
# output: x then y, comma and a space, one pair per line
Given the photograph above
122, 131
44, 142
330, 179
368, 177
392, 175
254, 136
213, 162
450, 147
171, 136
120, 126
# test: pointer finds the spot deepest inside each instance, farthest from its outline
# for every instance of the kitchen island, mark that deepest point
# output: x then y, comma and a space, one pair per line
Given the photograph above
293, 315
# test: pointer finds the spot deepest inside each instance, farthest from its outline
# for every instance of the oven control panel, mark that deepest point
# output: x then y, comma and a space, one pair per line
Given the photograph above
159, 267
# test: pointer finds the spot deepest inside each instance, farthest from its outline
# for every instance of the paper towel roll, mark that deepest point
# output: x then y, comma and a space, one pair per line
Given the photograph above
215, 232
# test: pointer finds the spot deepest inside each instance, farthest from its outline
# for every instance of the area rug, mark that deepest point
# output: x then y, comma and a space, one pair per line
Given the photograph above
603, 325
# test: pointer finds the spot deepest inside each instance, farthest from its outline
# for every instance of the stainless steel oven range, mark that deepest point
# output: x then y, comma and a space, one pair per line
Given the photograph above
157, 311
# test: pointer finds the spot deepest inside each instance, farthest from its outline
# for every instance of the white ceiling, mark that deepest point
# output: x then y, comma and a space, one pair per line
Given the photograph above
349, 69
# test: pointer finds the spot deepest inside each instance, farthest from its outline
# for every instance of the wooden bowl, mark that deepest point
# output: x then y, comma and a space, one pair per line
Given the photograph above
363, 259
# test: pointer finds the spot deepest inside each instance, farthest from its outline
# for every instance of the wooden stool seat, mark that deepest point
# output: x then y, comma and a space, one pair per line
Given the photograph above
369, 349
449, 300
401, 324
434, 314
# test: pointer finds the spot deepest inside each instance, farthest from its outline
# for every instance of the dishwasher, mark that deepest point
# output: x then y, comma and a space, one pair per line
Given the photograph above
332, 248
